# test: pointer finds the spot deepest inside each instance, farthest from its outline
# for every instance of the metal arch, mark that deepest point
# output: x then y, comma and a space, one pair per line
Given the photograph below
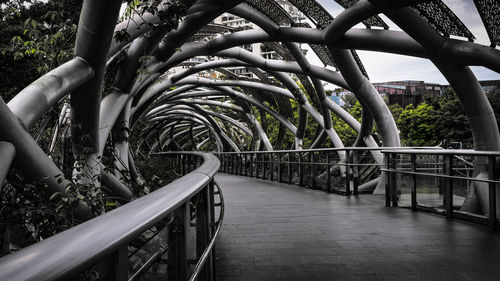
213, 113
273, 10
251, 119
239, 96
374, 20
202, 116
241, 11
196, 117
441, 18
343, 115
206, 82
332, 106
489, 10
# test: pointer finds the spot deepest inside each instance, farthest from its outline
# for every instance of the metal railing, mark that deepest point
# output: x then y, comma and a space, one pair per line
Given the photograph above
454, 175
346, 171
103, 242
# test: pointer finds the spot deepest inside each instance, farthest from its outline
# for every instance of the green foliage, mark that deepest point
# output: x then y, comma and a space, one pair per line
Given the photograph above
418, 125
169, 13
36, 37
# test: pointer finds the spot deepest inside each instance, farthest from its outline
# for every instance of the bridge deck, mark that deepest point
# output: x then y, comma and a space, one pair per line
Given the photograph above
277, 232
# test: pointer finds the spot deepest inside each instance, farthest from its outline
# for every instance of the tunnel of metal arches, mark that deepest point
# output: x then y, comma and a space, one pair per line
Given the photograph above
175, 101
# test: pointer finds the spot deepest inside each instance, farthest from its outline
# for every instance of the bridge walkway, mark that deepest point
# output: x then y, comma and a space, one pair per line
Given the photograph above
274, 231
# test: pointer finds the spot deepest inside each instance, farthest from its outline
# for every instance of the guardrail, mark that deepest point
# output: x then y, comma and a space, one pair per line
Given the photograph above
452, 164
345, 171
103, 242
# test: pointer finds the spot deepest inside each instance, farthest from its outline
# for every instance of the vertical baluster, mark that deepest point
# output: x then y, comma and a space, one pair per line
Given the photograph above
448, 193
246, 164
394, 195
251, 165
271, 166
328, 173
242, 161
178, 251
355, 171
300, 172
116, 266
289, 168
203, 232
183, 164
313, 171
347, 173
413, 182
492, 218
213, 226
278, 159
388, 186
263, 159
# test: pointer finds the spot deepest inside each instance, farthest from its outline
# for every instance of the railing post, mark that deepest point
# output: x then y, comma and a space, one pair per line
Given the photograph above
492, 217
388, 186
257, 165
448, 193
177, 254
394, 194
223, 162
328, 174
242, 161
116, 266
278, 159
213, 226
251, 165
347, 173
413, 177
183, 164
300, 172
271, 166
228, 163
355, 172
203, 232
246, 164
263, 159
289, 167
233, 164
313, 171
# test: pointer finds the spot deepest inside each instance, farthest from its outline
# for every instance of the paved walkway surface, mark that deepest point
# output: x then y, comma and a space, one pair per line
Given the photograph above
278, 232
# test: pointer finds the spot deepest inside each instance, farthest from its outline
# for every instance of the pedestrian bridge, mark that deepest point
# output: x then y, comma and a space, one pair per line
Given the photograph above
313, 227
276, 231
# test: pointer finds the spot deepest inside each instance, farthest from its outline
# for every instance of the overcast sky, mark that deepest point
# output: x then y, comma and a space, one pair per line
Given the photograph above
383, 67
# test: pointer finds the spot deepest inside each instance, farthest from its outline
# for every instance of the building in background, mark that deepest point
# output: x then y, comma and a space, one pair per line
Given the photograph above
489, 85
409, 91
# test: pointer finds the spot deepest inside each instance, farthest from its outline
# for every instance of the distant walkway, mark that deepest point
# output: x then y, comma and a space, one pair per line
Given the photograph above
280, 232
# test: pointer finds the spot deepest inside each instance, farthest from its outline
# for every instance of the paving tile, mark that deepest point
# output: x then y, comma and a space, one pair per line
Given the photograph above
277, 232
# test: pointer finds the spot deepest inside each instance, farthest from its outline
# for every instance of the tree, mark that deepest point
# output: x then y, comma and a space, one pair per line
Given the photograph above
418, 125
36, 37
451, 121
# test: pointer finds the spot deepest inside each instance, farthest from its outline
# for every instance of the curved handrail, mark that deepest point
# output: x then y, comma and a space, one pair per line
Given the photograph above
74, 250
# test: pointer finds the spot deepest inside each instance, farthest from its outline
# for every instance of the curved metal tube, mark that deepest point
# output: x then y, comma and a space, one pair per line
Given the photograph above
93, 38
40, 96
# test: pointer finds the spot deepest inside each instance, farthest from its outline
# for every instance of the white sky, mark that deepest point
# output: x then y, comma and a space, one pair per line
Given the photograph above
382, 67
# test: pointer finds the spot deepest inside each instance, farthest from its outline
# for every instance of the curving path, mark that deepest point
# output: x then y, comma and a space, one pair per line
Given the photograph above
276, 232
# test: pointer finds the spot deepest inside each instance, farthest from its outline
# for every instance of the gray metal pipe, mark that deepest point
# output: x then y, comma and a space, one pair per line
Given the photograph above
8, 152
40, 96
30, 159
